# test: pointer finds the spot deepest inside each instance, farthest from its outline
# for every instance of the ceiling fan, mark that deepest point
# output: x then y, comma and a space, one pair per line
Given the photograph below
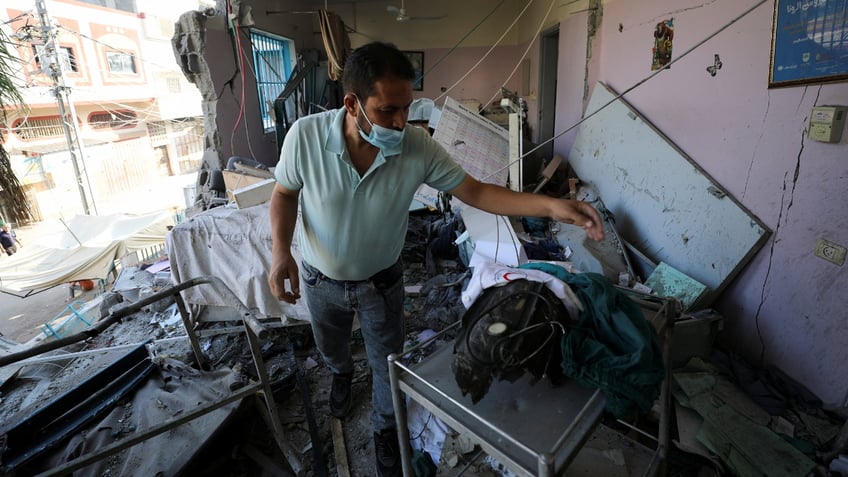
401, 15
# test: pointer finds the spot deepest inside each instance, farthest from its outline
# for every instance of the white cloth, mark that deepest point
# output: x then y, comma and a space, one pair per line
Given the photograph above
488, 274
235, 246
86, 248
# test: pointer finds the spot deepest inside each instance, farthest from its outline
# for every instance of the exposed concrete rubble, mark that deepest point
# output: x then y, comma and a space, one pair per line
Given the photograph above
189, 43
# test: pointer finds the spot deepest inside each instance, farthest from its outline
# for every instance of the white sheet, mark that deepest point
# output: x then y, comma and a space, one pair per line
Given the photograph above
85, 249
234, 245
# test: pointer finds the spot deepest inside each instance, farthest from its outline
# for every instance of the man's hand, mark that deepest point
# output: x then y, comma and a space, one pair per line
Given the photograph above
581, 214
502, 201
281, 270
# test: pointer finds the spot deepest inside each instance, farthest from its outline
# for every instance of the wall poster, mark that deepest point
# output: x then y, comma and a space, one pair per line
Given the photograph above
809, 42
663, 42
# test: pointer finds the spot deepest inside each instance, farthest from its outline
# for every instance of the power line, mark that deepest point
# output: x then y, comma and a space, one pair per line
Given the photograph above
136, 54
66, 107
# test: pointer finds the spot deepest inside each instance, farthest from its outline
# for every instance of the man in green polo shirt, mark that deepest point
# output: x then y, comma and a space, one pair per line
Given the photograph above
354, 172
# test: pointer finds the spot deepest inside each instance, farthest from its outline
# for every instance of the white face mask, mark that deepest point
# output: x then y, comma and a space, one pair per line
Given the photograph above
387, 140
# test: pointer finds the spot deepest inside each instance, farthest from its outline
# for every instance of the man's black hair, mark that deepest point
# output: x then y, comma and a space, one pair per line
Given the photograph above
372, 62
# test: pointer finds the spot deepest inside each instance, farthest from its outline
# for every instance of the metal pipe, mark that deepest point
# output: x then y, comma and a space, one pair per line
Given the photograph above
400, 415
202, 362
116, 447
262, 372
230, 298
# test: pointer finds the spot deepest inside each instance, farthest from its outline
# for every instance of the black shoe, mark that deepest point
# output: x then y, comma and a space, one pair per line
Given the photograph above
340, 397
387, 451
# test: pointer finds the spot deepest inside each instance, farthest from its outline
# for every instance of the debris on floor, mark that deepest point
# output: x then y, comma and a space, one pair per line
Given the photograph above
237, 439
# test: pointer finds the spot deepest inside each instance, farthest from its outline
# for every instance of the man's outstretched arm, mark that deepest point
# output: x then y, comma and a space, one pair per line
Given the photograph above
502, 201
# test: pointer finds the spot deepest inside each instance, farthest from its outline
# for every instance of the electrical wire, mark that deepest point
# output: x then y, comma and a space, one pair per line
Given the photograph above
265, 60
487, 53
21, 15
135, 54
511, 361
423, 428
454, 47
34, 62
235, 29
252, 70
526, 51
631, 88
143, 114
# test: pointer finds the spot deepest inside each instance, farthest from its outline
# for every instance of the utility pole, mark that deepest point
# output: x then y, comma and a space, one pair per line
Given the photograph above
51, 64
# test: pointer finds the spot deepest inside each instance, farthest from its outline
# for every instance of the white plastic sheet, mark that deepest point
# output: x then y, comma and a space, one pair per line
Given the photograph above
234, 245
85, 250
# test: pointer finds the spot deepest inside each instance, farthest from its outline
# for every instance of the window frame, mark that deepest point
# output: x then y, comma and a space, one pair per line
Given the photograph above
66, 55
271, 73
129, 54
118, 119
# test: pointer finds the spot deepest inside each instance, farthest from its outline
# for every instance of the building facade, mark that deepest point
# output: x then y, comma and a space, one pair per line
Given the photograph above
138, 118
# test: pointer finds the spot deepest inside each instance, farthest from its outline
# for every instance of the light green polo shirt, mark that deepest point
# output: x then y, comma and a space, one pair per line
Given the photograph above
352, 227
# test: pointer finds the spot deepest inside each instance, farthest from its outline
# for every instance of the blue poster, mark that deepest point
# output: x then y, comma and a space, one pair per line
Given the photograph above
809, 42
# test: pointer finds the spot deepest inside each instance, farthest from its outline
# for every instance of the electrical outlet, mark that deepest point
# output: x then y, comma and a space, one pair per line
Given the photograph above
830, 251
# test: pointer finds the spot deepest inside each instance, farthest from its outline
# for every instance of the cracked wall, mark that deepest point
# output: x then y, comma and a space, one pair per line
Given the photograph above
785, 307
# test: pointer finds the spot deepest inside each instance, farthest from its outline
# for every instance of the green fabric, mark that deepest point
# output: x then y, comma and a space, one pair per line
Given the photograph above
422, 465
747, 448
612, 346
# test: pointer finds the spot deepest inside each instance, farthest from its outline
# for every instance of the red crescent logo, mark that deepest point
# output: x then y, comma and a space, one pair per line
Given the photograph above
506, 276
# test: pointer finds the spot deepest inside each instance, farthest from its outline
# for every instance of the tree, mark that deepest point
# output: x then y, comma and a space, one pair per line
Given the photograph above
11, 191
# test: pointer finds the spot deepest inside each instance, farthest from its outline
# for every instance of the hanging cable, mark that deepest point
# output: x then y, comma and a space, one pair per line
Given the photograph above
252, 70
18, 17
235, 30
487, 53
526, 51
454, 47
135, 54
631, 88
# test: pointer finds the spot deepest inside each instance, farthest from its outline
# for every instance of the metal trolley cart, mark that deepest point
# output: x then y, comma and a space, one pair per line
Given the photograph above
533, 429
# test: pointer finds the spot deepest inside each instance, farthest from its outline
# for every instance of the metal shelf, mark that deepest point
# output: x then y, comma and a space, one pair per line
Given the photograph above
534, 429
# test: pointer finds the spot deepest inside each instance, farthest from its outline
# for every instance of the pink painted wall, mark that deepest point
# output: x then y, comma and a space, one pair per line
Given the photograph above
481, 84
787, 307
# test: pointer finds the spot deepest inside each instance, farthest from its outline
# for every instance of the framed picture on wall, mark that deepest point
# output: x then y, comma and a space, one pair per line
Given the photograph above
809, 42
417, 60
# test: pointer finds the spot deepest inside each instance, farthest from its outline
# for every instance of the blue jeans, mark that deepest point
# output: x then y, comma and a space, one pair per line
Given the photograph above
378, 303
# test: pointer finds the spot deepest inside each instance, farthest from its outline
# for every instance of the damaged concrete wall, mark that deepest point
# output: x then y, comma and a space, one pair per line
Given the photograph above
787, 307
189, 43
206, 51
